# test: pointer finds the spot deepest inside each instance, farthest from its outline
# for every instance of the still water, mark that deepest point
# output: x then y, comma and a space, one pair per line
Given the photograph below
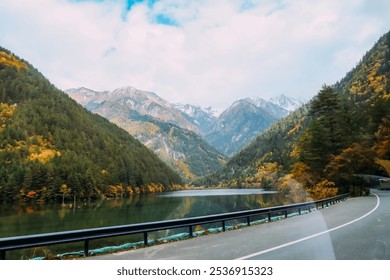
43, 218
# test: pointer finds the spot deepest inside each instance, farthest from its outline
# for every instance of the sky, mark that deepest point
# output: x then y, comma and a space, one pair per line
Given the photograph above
207, 53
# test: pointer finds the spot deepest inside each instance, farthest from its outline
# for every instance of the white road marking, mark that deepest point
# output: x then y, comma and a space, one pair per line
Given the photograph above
311, 236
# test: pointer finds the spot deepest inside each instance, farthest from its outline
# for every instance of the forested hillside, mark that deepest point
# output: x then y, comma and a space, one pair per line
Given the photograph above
319, 149
52, 148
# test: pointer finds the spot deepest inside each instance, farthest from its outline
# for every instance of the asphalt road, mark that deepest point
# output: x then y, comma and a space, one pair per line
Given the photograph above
356, 229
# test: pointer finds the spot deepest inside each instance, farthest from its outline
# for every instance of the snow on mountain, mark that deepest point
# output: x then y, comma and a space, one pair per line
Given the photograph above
203, 117
83, 95
288, 103
274, 109
129, 98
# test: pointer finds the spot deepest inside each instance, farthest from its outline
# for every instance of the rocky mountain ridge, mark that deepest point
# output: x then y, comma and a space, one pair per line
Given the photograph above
151, 119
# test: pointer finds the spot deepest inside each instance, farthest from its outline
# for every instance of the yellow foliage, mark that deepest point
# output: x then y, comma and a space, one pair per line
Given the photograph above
296, 151
323, 189
184, 169
10, 60
6, 112
198, 228
136, 128
44, 156
292, 189
301, 173
129, 191
385, 164
268, 171
374, 81
296, 127
43, 151
39, 149
64, 189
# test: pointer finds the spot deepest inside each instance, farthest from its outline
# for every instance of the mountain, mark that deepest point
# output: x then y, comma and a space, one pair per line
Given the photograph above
242, 122
273, 108
287, 103
51, 147
133, 100
167, 131
227, 132
204, 118
318, 149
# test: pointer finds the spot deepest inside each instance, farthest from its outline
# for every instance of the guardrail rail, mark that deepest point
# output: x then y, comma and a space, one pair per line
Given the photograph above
85, 235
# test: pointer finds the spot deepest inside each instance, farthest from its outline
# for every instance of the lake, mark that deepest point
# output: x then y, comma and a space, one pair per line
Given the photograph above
43, 218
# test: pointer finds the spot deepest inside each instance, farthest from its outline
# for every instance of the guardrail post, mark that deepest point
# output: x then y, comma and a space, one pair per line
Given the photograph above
191, 232
2, 255
146, 243
223, 225
86, 247
248, 221
269, 216
299, 211
285, 214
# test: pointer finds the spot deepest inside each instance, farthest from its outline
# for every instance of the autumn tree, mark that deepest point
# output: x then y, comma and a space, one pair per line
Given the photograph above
65, 191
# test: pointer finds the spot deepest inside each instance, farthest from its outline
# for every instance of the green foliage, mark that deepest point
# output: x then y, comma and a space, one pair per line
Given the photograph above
343, 131
50, 141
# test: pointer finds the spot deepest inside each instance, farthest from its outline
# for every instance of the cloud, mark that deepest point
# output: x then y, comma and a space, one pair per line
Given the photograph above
202, 52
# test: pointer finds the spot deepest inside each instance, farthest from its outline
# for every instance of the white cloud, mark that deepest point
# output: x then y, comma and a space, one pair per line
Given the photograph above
216, 52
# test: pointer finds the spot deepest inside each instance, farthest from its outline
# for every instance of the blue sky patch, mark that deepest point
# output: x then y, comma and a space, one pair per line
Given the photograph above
165, 20
131, 3
247, 5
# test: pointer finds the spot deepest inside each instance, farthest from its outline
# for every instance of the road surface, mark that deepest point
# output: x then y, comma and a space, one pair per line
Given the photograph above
356, 229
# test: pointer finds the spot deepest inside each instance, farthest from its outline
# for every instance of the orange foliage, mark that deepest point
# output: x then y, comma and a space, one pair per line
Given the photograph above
323, 189
301, 173
352, 160
31, 194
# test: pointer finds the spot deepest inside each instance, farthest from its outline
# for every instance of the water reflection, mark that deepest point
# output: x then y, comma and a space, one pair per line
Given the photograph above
41, 218
44, 218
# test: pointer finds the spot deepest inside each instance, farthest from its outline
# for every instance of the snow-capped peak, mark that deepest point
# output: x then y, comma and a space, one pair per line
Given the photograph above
288, 103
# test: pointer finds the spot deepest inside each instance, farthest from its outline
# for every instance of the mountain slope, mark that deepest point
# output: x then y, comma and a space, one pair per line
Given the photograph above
52, 147
143, 102
158, 125
240, 124
204, 118
324, 158
288, 103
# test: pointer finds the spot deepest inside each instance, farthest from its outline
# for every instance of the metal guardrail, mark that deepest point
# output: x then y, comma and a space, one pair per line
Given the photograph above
85, 235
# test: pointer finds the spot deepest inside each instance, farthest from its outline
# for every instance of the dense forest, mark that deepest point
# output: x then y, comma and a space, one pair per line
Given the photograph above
320, 149
52, 148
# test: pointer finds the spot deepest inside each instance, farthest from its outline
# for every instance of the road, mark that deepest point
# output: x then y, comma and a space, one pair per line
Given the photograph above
356, 229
